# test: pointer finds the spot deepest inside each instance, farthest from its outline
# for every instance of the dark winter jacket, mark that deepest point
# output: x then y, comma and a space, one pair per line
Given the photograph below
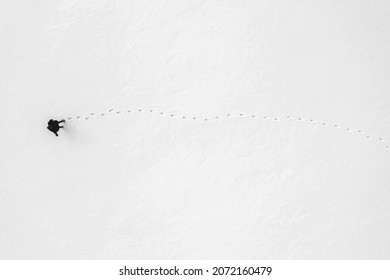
53, 126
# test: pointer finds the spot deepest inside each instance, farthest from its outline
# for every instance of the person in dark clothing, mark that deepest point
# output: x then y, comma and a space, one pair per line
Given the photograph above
54, 126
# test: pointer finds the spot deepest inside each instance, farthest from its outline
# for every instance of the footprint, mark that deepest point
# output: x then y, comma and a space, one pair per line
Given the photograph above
230, 115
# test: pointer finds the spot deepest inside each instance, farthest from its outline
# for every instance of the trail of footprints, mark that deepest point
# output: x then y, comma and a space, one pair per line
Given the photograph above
229, 115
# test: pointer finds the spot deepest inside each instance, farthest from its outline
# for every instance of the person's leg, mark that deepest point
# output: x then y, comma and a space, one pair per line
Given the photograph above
61, 127
61, 121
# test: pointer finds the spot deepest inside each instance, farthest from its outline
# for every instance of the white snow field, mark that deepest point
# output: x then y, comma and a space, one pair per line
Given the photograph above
238, 129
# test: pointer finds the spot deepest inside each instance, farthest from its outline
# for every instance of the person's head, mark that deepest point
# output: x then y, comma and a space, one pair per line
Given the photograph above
50, 127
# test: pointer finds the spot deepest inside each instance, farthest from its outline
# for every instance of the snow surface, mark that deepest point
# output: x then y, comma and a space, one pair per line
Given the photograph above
303, 173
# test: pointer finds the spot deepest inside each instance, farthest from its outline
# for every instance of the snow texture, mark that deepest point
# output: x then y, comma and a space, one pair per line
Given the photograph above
195, 129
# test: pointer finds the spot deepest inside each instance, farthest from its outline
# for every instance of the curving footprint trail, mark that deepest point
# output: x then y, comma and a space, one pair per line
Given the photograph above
381, 140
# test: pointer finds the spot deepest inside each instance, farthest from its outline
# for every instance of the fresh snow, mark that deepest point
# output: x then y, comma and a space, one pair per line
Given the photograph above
195, 129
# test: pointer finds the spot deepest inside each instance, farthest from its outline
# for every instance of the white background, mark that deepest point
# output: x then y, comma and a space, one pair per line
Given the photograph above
110, 269
145, 185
